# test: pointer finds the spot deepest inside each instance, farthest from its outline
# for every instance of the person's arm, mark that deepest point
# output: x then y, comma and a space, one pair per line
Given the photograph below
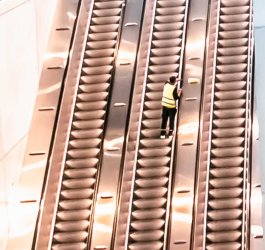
177, 93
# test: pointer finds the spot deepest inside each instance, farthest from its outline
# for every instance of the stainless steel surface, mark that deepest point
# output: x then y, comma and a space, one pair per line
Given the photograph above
116, 126
188, 130
46, 107
83, 154
82, 193
54, 175
130, 153
147, 227
226, 174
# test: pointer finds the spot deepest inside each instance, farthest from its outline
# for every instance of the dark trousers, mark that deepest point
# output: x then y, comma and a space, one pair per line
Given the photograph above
168, 113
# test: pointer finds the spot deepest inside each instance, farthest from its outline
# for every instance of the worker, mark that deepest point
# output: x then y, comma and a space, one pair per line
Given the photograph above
171, 94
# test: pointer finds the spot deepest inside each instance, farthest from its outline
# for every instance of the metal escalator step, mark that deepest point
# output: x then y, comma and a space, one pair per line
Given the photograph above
154, 161
226, 172
232, 3
166, 52
226, 86
95, 79
93, 88
154, 245
108, 4
154, 95
154, 152
153, 172
102, 61
80, 173
153, 105
234, 34
107, 69
224, 246
231, 50
227, 151
72, 215
151, 182
77, 193
89, 115
71, 237
230, 95
234, 18
83, 153
170, 11
157, 78
82, 163
228, 132
234, 10
228, 142
224, 236
104, 28
231, 59
229, 113
105, 20
71, 226
99, 53
160, 60
149, 203
92, 124
231, 77
234, 26
101, 44
227, 162
170, 18
167, 43
84, 143
226, 182
107, 12
171, 3
154, 213
229, 123
230, 104
152, 114
231, 68
147, 235
161, 69
154, 143
151, 124
168, 26
75, 204
227, 225
86, 106
167, 35
69, 246
89, 97
78, 183
233, 42
150, 133
148, 224
227, 203
151, 192
226, 214
102, 36
226, 192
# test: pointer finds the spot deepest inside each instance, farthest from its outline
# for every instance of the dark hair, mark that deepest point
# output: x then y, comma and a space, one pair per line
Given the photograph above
172, 79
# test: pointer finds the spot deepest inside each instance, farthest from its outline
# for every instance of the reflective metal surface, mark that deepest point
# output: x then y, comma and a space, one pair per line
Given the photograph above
112, 182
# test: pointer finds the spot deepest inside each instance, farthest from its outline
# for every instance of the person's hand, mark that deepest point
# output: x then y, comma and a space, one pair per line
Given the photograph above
179, 92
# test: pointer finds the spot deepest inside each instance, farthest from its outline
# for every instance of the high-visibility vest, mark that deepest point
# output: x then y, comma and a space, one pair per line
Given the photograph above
167, 98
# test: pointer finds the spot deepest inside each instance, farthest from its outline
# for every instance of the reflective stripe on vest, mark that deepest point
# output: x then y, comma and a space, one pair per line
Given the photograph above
168, 99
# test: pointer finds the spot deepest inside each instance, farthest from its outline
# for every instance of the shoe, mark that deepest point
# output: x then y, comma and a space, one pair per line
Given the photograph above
162, 136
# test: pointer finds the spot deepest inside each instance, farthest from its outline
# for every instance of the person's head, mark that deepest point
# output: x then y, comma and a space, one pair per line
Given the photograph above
172, 79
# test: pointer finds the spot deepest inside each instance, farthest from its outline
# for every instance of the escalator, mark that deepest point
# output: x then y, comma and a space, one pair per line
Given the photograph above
225, 187
80, 169
226, 211
83, 156
152, 180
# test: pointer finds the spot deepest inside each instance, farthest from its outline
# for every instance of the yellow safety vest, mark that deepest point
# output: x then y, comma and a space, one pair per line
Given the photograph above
167, 98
